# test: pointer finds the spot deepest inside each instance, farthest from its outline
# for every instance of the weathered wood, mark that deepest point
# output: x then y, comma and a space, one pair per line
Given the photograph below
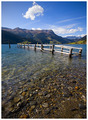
28, 46
80, 51
52, 49
35, 47
70, 52
61, 52
61, 49
9, 45
24, 46
42, 47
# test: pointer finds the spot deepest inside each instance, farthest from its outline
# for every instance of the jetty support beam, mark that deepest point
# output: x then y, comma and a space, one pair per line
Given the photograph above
9, 45
70, 52
80, 51
24, 46
28, 46
35, 47
42, 47
61, 49
52, 49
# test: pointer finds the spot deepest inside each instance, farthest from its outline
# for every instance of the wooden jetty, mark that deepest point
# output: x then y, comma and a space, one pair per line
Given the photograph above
69, 50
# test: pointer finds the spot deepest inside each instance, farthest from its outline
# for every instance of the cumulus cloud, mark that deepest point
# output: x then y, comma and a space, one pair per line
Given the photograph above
32, 12
65, 30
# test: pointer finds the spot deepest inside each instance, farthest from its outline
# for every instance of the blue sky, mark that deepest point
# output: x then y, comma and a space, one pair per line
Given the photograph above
64, 18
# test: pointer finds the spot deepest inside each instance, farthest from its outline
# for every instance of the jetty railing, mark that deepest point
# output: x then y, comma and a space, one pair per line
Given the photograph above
52, 48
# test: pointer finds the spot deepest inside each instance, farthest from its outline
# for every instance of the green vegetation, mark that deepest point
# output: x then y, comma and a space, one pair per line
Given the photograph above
33, 36
25, 36
79, 42
26, 42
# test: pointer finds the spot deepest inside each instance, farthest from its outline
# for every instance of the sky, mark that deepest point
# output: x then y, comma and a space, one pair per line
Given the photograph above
64, 18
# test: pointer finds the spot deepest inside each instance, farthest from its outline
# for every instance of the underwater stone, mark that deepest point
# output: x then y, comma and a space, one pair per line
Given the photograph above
81, 106
45, 105
40, 93
16, 99
33, 103
48, 95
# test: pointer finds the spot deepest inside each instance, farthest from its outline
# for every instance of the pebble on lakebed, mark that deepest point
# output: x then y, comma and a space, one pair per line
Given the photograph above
45, 105
50, 96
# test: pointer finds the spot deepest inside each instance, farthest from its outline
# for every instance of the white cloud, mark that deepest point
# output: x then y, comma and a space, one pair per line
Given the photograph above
81, 35
65, 29
70, 26
34, 3
36, 29
32, 12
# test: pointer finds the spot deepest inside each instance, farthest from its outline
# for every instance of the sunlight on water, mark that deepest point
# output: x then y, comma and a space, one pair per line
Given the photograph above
26, 71
20, 63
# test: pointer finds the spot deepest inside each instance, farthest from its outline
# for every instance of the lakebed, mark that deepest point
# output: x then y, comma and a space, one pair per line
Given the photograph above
42, 85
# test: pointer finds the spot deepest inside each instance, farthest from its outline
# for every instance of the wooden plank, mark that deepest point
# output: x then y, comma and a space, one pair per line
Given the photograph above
47, 49
61, 52
68, 47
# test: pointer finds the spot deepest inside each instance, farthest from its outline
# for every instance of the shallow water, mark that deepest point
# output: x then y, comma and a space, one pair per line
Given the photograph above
20, 66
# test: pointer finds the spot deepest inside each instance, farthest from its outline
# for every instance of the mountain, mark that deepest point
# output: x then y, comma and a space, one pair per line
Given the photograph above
33, 36
82, 40
10, 37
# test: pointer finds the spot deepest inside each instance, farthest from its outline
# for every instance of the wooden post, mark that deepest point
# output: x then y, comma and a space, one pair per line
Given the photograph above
9, 45
24, 46
80, 51
42, 47
28, 46
21, 45
35, 47
52, 49
70, 52
61, 49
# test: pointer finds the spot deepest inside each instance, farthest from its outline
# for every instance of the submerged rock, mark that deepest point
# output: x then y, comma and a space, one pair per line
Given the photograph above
82, 106
16, 99
45, 105
33, 103
48, 96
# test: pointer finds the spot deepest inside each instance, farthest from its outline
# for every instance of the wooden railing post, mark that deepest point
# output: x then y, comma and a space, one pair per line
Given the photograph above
28, 46
35, 47
70, 52
42, 47
80, 51
21, 45
9, 45
24, 46
61, 49
52, 49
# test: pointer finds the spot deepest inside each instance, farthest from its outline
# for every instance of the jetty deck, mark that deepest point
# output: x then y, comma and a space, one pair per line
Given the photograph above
69, 50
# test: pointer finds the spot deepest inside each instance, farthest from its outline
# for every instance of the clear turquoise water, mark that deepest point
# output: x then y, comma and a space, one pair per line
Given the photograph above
22, 63
22, 68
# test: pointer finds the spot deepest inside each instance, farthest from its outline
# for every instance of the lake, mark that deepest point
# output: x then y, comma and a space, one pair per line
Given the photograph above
25, 73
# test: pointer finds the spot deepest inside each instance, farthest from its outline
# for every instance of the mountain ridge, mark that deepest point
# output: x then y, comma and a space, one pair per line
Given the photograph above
33, 36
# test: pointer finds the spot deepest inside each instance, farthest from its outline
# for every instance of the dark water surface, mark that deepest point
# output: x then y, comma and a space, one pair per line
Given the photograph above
41, 85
